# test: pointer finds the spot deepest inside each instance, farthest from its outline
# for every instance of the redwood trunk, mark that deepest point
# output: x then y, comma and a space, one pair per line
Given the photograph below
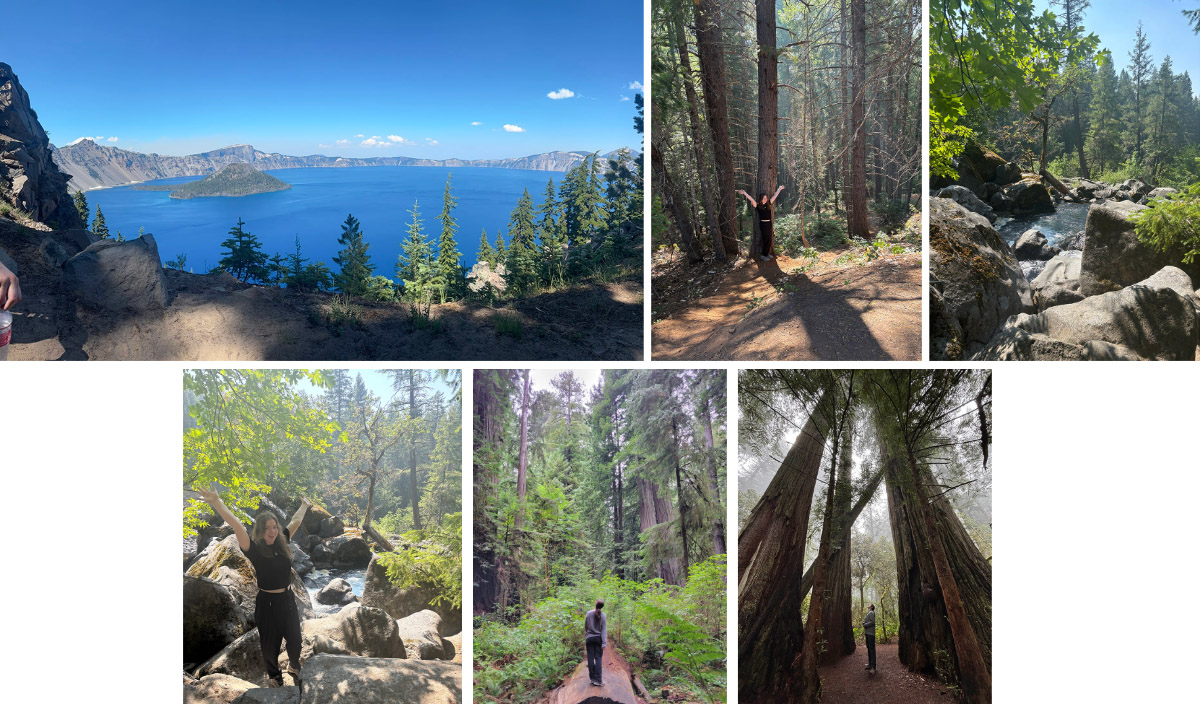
836, 613
653, 510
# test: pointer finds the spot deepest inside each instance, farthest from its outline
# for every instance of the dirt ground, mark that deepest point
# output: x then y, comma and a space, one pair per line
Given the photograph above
754, 310
846, 682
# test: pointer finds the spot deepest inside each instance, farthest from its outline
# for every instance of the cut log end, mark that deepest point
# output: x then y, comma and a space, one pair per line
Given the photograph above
617, 688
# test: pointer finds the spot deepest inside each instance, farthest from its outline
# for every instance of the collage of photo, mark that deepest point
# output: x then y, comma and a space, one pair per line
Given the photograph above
478, 405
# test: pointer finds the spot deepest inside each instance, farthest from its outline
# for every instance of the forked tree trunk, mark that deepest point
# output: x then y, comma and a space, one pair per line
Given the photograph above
770, 561
836, 613
863, 499
698, 140
712, 70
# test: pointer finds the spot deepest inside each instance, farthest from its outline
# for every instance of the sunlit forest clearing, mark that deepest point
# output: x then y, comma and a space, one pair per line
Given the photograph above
816, 107
1065, 219
860, 488
374, 563
599, 486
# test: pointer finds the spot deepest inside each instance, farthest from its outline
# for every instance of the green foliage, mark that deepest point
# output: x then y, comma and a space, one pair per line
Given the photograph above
100, 227
415, 267
508, 324
244, 257
486, 253
381, 288
431, 557
1172, 224
233, 180
448, 266
687, 646
81, 207
179, 263
353, 259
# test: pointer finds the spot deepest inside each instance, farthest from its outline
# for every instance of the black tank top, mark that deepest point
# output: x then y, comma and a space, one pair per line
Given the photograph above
273, 570
764, 211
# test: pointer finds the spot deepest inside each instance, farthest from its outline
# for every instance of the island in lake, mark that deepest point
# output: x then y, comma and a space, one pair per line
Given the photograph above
233, 180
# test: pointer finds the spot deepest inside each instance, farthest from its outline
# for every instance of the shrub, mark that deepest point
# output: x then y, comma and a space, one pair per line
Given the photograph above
1172, 224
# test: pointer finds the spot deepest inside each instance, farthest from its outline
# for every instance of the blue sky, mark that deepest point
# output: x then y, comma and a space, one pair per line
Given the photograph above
426, 79
380, 384
1115, 22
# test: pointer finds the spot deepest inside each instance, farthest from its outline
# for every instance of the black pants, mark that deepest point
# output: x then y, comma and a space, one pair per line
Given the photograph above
595, 655
768, 237
277, 621
871, 651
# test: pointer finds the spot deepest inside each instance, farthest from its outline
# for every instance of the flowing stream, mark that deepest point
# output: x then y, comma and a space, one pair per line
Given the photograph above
1067, 219
317, 579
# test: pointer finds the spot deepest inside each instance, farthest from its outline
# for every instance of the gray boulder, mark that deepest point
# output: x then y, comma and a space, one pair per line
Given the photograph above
481, 276
1114, 257
332, 527
978, 282
1058, 283
214, 689
270, 695
338, 593
223, 562
1153, 319
211, 618
118, 276
1136, 189
300, 560
1073, 242
422, 636
1164, 192
1033, 245
352, 680
1007, 173
401, 602
1086, 189
322, 554
964, 197
349, 551
1026, 197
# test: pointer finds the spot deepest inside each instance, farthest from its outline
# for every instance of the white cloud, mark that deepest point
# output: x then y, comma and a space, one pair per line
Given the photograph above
476, 123
359, 136
322, 146
342, 141
636, 85
560, 94
431, 141
376, 141
624, 98
513, 128
113, 139
395, 138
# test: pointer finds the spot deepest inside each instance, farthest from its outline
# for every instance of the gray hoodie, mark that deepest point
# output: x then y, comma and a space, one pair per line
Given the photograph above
869, 624
595, 623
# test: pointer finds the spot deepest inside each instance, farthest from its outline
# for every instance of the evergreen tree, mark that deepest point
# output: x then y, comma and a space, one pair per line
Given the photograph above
499, 251
99, 227
353, 259
592, 203
448, 266
245, 258
1163, 119
551, 234
486, 253
522, 260
1140, 68
277, 270
1103, 145
620, 187
569, 198
415, 265
295, 266
81, 205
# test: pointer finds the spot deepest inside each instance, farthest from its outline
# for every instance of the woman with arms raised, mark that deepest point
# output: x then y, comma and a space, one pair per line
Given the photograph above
266, 546
764, 211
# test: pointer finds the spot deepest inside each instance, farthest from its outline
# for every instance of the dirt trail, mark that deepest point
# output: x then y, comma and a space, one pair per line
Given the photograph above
846, 682
761, 311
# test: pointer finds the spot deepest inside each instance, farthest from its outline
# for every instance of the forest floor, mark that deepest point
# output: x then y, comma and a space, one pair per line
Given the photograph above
846, 682
775, 310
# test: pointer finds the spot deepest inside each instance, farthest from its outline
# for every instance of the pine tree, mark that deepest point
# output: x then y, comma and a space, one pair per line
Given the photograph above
551, 235
1103, 143
522, 260
99, 227
415, 265
245, 258
353, 258
81, 205
1140, 68
620, 187
486, 253
499, 251
277, 270
592, 200
448, 266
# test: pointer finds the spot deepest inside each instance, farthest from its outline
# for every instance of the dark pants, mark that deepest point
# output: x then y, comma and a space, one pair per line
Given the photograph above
871, 651
595, 655
768, 237
277, 621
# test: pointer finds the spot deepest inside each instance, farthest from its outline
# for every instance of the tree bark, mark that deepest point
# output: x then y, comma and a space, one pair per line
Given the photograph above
857, 224
714, 482
863, 499
706, 185
523, 452
670, 197
770, 560
653, 510
683, 508
712, 71
836, 612
414, 491
768, 112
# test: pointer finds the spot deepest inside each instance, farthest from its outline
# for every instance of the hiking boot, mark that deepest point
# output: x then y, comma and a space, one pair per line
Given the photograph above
274, 682
295, 675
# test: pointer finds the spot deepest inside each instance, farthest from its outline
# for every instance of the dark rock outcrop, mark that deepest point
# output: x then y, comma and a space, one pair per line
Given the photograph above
211, 618
1114, 257
1029, 196
976, 280
354, 680
399, 602
1033, 245
29, 178
964, 197
349, 551
118, 276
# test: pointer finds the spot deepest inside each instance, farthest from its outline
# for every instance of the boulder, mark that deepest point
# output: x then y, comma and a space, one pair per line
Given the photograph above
211, 619
978, 282
1114, 257
1159, 193
1153, 319
422, 636
300, 560
353, 680
1058, 283
1007, 173
1086, 189
313, 518
349, 551
9, 262
322, 554
980, 162
481, 276
331, 527
454, 647
1033, 245
964, 197
53, 253
1073, 242
338, 592
118, 276
270, 695
1025, 197
401, 602
1136, 189
224, 563
214, 689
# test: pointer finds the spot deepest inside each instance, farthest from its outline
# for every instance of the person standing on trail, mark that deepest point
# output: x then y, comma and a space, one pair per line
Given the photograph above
869, 632
764, 211
266, 547
595, 636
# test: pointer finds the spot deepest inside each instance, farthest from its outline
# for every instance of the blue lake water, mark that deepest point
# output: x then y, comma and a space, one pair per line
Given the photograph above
316, 206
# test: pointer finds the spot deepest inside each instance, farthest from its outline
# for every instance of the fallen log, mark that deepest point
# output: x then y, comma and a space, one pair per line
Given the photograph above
1058, 185
617, 688
381, 541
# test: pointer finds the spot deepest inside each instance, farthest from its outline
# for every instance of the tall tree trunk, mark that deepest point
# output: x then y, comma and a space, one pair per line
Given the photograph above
414, 491
863, 499
486, 435
523, 452
370, 497
683, 507
674, 207
770, 560
768, 112
857, 224
712, 71
836, 613
698, 141
1083, 167
713, 480
653, 510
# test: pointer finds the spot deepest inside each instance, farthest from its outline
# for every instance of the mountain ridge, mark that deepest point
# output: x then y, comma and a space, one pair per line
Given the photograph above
91, 166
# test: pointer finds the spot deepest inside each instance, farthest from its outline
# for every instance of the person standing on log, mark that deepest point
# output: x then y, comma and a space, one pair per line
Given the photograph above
869, 633
275, 608
595, 636
764, 211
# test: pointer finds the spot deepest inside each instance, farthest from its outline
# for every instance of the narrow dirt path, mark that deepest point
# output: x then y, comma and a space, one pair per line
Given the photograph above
773, 311
846, 682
